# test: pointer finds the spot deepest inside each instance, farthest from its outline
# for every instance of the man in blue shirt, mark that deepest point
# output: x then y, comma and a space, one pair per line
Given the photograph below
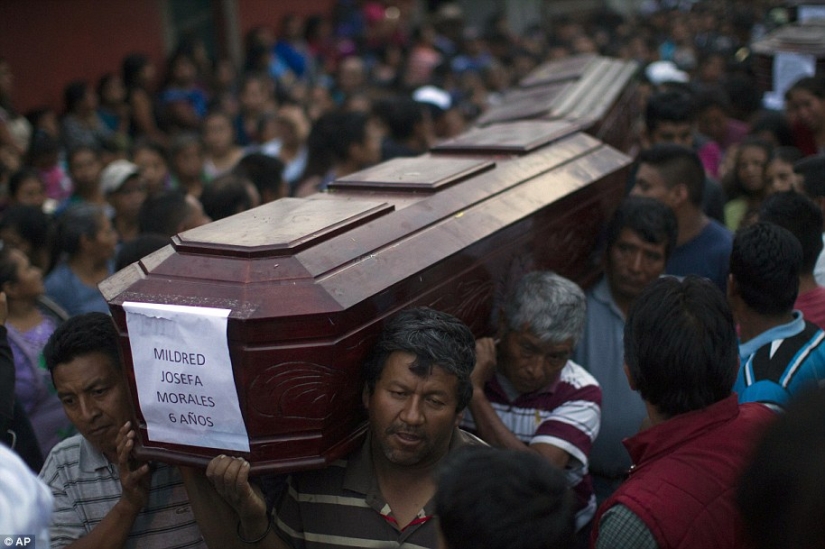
640, 238
674, 175
780, 352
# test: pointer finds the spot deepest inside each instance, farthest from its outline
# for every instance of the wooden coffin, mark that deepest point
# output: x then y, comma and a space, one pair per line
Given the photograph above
596, 93
805, 39
311, 281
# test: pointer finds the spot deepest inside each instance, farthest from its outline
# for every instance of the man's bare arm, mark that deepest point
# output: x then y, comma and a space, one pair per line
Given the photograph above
488, 424
227, 506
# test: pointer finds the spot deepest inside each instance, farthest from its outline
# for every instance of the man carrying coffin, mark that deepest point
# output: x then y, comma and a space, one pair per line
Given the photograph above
417, 383
100, 501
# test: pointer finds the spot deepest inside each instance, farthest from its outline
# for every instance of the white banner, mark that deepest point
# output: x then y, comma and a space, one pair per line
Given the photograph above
185, 385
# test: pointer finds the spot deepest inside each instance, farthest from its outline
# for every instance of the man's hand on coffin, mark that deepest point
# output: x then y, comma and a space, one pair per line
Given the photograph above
485, 365
230, 477
135, 477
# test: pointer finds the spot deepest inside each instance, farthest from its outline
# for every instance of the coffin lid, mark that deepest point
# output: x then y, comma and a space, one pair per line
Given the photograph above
584, 98
336, 249
806, 37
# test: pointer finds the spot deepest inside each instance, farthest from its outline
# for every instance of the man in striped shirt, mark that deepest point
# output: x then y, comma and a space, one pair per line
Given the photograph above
417, 383
527, 393
99, 500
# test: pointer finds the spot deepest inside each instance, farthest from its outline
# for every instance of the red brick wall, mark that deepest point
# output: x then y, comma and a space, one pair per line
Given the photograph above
51, 42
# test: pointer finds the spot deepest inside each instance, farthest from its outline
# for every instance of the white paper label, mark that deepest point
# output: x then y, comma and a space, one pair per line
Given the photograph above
183, 373
788, 67
806, 13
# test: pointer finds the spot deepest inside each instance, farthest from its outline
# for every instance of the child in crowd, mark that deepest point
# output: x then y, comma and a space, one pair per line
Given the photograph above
746, 185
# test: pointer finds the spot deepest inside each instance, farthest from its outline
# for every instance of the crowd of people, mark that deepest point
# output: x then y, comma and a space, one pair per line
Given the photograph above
621, 415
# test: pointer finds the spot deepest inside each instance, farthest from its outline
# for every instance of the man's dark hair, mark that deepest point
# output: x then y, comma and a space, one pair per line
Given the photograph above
765, 262
349, 128
81, 220
138, 248
225, 196
265, 172
503, 499
163, 213
677, 164
401, 114
83, 335
802, 217
669, 106
654, 222
713, 96
436, 339
782, 491
680, 345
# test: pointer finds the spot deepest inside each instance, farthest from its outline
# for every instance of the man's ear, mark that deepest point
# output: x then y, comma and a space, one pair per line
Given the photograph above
630, 380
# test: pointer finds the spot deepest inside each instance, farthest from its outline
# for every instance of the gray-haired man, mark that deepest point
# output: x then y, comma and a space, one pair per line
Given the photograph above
527, 393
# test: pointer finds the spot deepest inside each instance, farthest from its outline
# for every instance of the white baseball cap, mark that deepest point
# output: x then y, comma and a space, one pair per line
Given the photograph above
115, 175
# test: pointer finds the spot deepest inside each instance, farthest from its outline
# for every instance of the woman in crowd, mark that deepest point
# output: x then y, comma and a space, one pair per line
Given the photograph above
30, 323
82, 126
805, 105
182, 101
222, 153
86, 244
139, 78
779, 173
745, 185
150, 157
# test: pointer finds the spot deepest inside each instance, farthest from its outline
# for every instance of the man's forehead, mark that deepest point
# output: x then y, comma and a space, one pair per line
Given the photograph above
629, 234
526, 335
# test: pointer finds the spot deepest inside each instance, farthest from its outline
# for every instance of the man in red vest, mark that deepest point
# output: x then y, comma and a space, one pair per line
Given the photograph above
681, 355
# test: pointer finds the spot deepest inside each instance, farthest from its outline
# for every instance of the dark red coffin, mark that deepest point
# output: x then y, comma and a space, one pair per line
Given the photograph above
311, 281
596, 93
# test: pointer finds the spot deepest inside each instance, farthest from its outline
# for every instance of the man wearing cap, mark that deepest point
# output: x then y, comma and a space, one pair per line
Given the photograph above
447, 120
125, 191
